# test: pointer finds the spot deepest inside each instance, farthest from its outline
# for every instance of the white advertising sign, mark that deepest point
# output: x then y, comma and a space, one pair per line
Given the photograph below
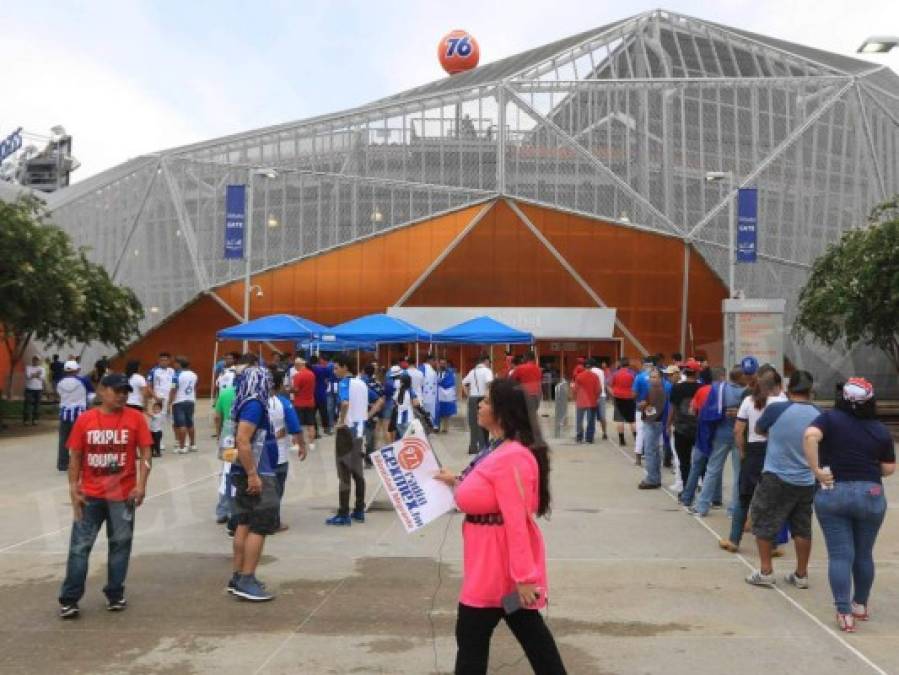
407, 470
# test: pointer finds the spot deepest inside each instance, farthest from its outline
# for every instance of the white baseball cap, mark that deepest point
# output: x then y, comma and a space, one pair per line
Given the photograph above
71, 366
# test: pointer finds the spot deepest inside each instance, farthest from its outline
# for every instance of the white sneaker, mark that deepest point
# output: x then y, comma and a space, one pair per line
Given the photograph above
179, 451
676, 487
312, 447
193, 448
795, 580
759, 579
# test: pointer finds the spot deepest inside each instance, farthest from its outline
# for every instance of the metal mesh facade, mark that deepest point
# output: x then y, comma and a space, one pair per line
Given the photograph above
619, 123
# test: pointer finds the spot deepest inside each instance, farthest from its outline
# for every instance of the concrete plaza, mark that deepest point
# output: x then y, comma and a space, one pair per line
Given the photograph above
637, 585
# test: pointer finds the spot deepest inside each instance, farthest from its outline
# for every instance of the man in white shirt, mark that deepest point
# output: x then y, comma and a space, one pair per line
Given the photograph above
475, 385
417, 377
161, 384
75, 394
429, 387
353, 400
183, 406
34, 389
601, 402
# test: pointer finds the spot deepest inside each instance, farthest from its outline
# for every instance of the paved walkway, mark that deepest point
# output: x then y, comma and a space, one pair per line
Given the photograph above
637, 585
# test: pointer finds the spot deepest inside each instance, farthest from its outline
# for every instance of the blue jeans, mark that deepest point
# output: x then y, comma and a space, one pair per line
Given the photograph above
652, 459
722, 446
698, 463
590, 414
119, 518
850, 515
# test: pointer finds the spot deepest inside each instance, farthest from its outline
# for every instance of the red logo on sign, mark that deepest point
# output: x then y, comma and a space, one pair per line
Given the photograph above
412, 454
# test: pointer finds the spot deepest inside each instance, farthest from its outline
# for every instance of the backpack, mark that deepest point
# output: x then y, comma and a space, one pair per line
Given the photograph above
685, 422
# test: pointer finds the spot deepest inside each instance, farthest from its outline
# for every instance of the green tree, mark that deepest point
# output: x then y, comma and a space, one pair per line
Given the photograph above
852, 294
51, 292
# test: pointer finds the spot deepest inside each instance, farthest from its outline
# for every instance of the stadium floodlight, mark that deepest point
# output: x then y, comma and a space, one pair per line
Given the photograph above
878, 45
717, 177
262, 172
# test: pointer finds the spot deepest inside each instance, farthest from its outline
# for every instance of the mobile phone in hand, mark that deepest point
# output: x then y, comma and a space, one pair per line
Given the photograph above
511, 602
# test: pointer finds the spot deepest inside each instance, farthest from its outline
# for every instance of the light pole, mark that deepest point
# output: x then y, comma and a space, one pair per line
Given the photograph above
878, 45
715, 177
248, 249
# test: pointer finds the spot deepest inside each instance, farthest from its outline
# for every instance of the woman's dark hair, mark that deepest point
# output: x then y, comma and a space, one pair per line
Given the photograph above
764, 385
510, 408
863, 411
405, 385
132, 367
277, 379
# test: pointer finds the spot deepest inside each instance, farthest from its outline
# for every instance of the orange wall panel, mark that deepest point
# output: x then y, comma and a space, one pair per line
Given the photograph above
330, 288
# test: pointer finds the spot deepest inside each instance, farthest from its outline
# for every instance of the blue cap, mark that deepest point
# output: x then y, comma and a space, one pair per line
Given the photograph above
750, 365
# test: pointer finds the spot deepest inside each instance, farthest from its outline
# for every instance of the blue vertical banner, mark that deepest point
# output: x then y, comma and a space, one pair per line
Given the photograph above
235, 219
747, 225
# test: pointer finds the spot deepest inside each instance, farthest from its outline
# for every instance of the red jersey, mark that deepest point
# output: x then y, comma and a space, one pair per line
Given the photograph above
622, 384
303, 385
108, 444
530, 376
586, 389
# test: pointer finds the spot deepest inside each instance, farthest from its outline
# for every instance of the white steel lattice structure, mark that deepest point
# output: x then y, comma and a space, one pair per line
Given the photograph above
619, 123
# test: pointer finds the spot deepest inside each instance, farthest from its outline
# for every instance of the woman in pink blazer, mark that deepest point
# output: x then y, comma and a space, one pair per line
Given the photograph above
502, 492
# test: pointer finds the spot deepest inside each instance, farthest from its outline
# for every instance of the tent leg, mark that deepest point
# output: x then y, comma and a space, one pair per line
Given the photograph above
215, 358
358, 360
417, 357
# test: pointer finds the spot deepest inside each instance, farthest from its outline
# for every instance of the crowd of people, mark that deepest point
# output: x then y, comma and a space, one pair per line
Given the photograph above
789, 459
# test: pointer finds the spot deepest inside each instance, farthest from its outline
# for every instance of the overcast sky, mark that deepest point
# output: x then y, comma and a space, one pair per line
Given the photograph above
126, 78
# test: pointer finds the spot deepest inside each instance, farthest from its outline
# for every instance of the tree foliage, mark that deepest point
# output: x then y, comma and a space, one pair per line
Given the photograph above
51, 292
852, 294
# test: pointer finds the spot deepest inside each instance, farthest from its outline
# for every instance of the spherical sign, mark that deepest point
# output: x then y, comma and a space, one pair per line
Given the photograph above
458, 51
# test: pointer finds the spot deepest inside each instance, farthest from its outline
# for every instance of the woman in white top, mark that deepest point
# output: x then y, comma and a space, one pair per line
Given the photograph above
752, 446
406, 402
137, 397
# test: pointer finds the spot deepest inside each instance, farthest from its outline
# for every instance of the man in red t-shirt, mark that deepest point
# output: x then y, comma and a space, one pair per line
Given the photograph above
531, 378
586, 395
303, 387
622, 387
107, 481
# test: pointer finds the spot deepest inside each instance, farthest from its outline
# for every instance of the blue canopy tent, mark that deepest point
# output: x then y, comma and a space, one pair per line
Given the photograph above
336, 345
378, 328
483, 330
274, 327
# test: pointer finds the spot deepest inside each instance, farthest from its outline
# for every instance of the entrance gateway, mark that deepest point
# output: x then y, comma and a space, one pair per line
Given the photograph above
562, 333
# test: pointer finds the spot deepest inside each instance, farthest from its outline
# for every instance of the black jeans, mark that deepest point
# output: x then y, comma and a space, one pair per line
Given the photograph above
281, 483
321, 405
683, 445
474, 628
62, 455
348, 450
32, 404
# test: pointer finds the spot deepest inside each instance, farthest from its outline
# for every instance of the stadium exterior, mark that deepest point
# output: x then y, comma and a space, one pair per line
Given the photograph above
569, 175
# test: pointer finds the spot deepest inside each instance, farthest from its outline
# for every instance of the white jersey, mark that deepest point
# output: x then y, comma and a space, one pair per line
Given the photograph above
429, 390
404, 411
157, 421
161, 382
74, 396
279, 427
602, 380
34, 378
477, 380
418, 379
750, 414
357, 414
136, 395
186, 386
226, 379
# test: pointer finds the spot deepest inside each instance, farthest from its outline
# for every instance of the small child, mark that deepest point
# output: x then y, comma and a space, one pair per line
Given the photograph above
157, 422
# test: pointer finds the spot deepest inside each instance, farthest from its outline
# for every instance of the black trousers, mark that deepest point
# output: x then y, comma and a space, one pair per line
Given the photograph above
348, 451
321, 405
474, 628
683, 445
31, 408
